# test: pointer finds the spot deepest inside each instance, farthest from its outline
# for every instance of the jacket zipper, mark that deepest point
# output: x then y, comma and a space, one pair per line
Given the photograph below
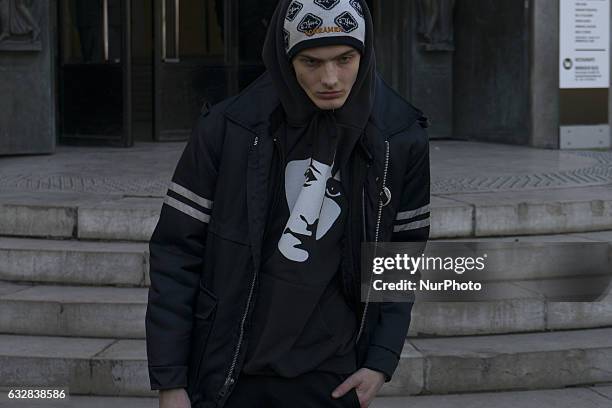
277, 188
378, 219
228, 379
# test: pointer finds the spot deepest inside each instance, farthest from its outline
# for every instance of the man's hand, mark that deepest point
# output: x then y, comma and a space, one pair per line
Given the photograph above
175, 398
366, 382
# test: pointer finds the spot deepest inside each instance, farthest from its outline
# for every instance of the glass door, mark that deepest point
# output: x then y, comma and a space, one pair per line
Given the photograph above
190, 66
205, 51
94, 72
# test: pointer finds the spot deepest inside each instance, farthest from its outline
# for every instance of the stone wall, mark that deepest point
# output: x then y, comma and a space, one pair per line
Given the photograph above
27, 77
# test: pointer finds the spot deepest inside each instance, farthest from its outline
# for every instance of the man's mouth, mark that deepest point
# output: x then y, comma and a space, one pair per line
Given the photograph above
329, 95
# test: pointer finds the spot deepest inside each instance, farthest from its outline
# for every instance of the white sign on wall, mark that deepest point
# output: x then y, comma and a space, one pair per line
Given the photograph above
584, 44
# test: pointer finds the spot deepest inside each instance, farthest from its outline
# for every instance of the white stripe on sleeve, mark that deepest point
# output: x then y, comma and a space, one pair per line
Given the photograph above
412, 213
411, 225
184, 208
180, 190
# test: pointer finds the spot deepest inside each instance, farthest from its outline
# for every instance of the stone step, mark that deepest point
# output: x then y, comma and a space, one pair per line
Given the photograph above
530, 257
84, 365
80, 401
520, 308
126, 263
523, 212
115, 217
583, 397
428, 366
74, 262
84, 216
111, 312
526, 361
81, 311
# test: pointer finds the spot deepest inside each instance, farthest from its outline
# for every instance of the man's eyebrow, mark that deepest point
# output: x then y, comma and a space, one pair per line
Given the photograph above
308, 57
347, 53
344, 54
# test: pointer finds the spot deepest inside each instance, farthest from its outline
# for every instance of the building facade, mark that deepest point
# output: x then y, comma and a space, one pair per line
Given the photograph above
112, 72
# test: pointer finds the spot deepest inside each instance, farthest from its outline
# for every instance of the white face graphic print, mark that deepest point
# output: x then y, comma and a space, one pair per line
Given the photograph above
312, 206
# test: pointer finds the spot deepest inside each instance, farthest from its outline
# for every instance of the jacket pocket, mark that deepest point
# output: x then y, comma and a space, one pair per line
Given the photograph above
204, 316
230, 233
206, 304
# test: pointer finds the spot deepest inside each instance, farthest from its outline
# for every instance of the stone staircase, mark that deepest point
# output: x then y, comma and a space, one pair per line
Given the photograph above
73, 293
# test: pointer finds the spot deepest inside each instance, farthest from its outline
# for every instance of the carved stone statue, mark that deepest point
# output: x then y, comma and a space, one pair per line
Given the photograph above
16, 21
435, 24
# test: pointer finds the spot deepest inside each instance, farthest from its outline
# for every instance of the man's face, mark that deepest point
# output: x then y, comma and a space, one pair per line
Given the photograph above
327, 74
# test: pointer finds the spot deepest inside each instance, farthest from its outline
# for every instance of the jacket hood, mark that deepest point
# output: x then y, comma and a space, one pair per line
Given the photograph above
298, 107
390, 113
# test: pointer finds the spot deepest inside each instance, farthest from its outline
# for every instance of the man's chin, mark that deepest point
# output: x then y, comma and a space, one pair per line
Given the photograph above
330, 104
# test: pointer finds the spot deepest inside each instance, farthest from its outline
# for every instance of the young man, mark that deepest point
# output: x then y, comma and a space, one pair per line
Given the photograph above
255, 262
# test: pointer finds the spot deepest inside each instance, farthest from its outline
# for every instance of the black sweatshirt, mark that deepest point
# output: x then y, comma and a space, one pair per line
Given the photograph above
301, 320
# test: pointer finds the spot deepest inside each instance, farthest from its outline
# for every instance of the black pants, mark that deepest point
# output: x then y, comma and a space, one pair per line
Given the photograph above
310, 390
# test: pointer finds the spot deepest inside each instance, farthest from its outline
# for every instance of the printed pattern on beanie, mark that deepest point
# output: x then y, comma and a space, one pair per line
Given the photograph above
294, 8
347, 22
357, 6
309, 24
327, 4
313, 19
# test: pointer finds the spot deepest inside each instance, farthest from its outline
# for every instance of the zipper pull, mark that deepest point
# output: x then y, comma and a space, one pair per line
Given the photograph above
256, 141
228, 383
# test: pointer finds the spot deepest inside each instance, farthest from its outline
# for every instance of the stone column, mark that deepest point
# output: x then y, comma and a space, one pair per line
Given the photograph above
432, 51
544, 68
414, 48
610, 89
27, 77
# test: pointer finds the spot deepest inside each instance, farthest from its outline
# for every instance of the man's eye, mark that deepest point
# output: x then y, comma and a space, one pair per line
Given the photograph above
345, 60
310, 62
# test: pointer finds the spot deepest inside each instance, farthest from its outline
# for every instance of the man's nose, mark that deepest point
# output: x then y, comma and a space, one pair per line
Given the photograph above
330, 75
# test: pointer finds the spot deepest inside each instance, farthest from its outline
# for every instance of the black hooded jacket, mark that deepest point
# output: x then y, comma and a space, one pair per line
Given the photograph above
206, 251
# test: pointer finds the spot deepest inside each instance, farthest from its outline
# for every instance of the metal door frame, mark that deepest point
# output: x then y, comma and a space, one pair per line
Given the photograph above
126, 139
160, 26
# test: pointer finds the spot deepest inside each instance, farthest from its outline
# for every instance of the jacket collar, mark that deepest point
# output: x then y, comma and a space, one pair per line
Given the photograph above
256, 107
391, 112
253, 107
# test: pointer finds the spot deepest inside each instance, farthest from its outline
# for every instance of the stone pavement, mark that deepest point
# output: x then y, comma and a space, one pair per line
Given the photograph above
478, 189
578, 397
457, 168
